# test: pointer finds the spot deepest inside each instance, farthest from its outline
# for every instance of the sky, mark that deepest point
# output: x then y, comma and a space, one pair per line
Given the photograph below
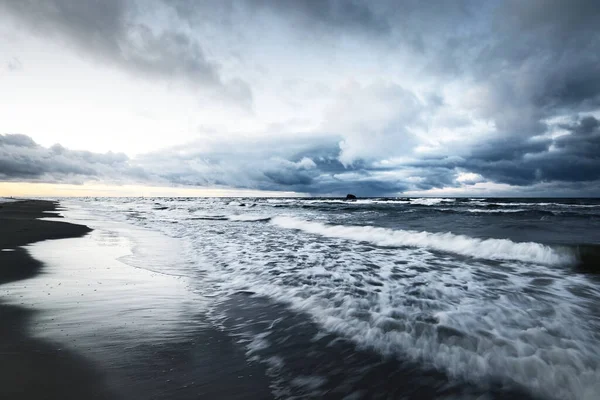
305, 97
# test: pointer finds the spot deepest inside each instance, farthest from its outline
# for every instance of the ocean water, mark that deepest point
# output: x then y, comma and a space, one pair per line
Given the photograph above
391, 298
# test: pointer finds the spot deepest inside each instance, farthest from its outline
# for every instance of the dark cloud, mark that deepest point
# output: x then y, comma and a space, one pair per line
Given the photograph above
426, 27
541, 59
293, 164
345, 15
305, 165
367, 186
110, 31
533, 62
21, 159
523, 161
586, 126
311, 165
251, 164
341, 16
557, 18
528, 64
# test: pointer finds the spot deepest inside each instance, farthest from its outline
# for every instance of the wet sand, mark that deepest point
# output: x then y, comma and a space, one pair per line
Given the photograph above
33, 368
84, 325
19, 225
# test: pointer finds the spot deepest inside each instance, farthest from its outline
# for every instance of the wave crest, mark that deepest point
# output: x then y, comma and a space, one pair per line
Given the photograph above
492, 249
248, 218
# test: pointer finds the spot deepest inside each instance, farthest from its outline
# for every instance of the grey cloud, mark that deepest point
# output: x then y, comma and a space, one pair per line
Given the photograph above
374, 121
558, 19
289, 163
310, 165
541, 59
531, 62
366, 186
307, 164
252, 164
538, 57
306, 15
524, 161
352, 15
425, 27
17, 140
22, 159
109, 31
536, 61
301, 164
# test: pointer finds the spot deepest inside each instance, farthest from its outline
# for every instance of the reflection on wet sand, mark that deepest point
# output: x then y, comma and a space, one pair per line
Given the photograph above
95, 327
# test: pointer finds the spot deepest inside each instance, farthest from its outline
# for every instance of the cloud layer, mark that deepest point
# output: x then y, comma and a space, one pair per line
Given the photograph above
114, 31
374, 97
312, 165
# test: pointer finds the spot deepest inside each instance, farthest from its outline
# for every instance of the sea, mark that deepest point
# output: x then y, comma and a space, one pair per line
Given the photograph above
390, 298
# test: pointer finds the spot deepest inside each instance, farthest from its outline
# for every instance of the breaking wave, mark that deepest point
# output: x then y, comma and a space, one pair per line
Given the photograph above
248, 218
528, 324
492, 249
428, 201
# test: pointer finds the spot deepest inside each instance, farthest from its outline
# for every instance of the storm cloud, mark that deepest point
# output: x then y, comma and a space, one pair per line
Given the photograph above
572, 156
114, 31
21, 159
376, 97
248, 165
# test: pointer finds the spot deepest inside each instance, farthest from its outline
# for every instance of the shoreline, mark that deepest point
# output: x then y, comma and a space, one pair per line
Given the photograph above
167, 353
19, 226
32, 368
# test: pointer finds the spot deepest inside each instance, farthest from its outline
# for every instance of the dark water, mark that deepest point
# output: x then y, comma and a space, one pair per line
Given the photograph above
393, 298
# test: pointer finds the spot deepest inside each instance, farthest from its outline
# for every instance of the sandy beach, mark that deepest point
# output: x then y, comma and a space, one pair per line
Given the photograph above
85, 325
33, 368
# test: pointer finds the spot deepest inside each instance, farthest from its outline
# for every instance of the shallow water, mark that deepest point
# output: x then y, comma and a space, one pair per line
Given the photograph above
378, 298
145, 331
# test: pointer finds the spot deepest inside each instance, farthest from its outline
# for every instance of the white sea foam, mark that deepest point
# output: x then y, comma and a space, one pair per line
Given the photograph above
429, 201
248, 218
492, 249
531, 324
561, 205
316, 202
487, 211
450, 315
326, 201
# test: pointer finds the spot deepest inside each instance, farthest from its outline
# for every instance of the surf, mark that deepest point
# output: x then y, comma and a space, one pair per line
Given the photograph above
491, 249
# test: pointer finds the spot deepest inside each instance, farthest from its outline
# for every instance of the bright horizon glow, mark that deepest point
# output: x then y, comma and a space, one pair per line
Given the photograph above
29, 189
